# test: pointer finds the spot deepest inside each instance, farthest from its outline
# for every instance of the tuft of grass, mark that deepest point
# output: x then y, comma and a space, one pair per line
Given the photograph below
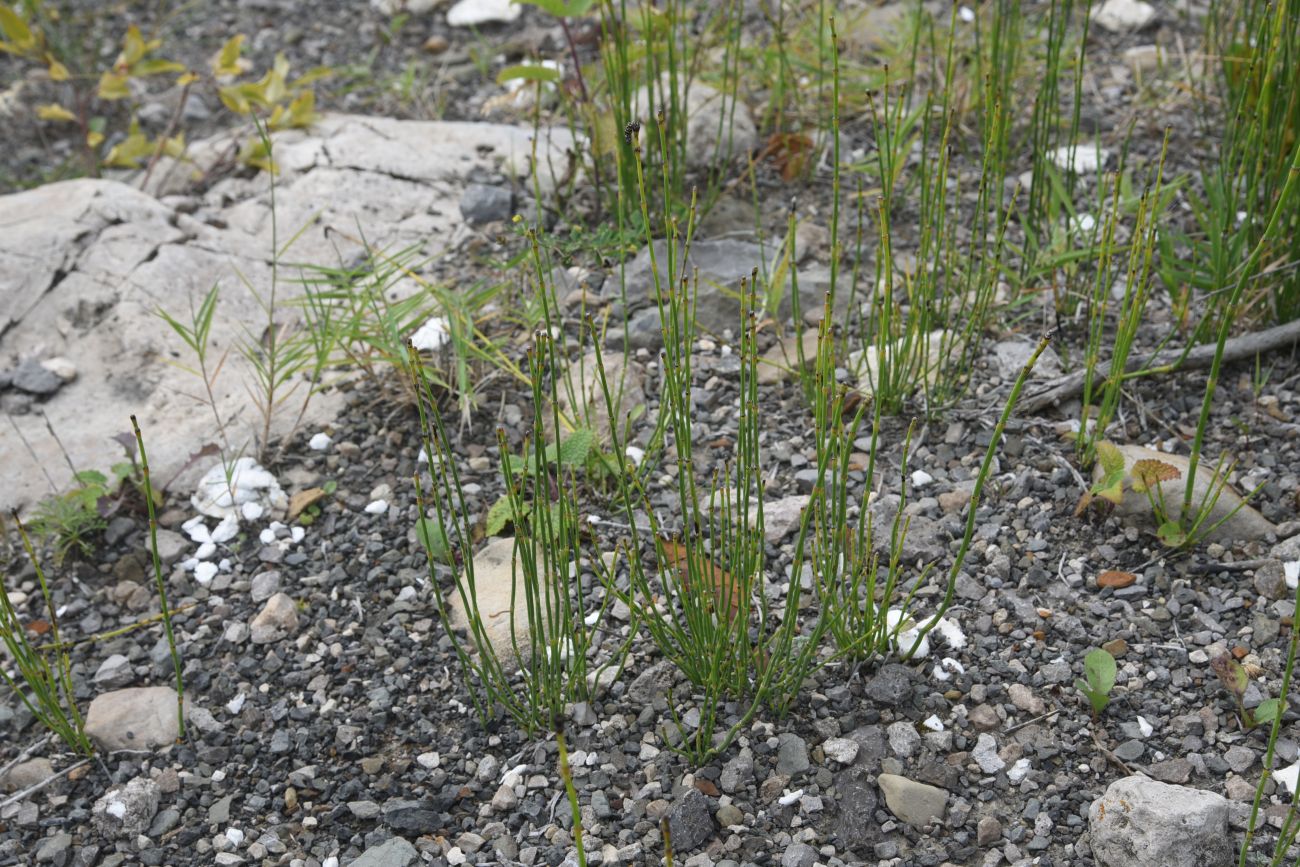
43, 685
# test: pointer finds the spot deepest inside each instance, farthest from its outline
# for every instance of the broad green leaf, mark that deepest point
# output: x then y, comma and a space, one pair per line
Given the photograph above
53, 111
311, 76
434, 538
128, 153
497, 517
91, 477
234, 98
302, 111
1267, 711
576, 447
1099, 666
528, 72
1111, 489
560, 8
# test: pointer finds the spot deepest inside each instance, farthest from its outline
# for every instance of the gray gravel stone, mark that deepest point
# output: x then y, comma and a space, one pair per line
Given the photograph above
32, 377
690, 821
1140, 821
799, 855
481, 203
891, 685
391, 853
125, 811
738, 772
857, 826
792, 755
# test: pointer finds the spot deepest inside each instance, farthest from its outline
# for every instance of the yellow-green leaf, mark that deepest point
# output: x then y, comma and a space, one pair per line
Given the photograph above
312, 76
302, 111
127, 153
187, 79
227, 60
15, 29
94, 139
133, 47
1111, 458
58, 72
156, 66
113, 86
232, 97
54, 111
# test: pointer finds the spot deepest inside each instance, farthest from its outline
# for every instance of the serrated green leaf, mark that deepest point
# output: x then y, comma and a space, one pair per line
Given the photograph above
576, 447
1110, 457
497, 517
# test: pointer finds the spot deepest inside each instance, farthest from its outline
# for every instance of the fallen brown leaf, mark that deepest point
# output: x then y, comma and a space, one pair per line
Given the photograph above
1116, 579
724, 586
302, 500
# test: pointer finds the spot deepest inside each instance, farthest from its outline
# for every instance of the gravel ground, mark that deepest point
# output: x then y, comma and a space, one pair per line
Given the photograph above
351, 725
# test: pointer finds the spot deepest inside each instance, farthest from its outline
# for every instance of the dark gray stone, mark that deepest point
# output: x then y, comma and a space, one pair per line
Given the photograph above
481, 203
652, 683
32, 378
891, 685
857, 827
690, 821
791, 755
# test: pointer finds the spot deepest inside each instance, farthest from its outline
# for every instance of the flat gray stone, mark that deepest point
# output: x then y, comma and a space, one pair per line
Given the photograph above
395, 852
141, 718
917, 804
1139, 821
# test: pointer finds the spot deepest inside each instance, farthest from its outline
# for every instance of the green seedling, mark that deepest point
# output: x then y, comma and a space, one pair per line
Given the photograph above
1098, 679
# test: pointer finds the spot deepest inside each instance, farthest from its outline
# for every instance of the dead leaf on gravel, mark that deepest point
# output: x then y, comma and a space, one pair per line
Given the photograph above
302, 500
1116, 579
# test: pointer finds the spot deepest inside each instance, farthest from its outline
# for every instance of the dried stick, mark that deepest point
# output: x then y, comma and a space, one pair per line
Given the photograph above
1245, 346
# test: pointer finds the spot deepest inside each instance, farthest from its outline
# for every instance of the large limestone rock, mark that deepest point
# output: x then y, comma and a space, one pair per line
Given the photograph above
86, 264
1139, 821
